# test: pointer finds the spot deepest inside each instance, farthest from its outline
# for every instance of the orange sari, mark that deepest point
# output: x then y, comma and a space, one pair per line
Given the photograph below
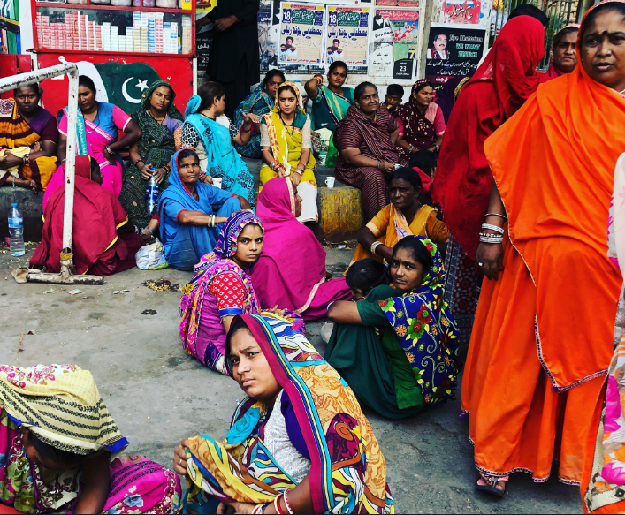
557, 296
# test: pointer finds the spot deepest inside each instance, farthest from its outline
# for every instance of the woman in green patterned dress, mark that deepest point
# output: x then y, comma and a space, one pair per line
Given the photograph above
151, 155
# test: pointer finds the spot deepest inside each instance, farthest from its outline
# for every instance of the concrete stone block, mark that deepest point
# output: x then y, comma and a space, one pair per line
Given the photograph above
340, 212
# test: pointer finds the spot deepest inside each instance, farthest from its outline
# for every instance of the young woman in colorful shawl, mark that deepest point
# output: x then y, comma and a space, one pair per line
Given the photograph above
158, 118
404, 216
203, 131
421, 122
97, 130
298, 284
191, 211
299, 442
366, 140
58, 447
526, 409
103, 242
406, 358
604, 468
563, 56
286, 142
463, 180
257, 104
221, 289
28, 138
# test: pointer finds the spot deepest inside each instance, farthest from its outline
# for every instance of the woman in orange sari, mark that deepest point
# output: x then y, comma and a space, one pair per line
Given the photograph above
551, 289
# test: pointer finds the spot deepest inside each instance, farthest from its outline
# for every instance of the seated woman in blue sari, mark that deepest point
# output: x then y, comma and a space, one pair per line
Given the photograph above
192, 211
211, 135
257, 104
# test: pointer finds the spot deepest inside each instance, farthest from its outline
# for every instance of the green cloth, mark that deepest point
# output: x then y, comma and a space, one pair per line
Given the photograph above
328, 108
156, 146
376, 369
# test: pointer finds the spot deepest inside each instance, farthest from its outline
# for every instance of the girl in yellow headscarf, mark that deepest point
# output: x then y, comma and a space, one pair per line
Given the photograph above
286, 144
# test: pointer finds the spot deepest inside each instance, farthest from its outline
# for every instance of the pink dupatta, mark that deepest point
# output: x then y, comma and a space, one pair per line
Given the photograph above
299, 257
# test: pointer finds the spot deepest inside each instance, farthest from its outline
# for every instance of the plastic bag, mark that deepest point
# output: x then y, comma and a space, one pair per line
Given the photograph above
151, 257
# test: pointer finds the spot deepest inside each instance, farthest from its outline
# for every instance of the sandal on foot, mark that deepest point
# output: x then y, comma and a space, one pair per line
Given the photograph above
488, 483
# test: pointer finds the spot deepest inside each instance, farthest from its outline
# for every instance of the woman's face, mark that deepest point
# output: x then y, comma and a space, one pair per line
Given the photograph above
189, 169
298, 205
406, 271
287, 101
603, 50
86, 99
271, 87
564, 56
424, 96
33, 455
27, 99
249, 244
251, 369
369, 101
403, 194
160, 99
337, 77
220, 105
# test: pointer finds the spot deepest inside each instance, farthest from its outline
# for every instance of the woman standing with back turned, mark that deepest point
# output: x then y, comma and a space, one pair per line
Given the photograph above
551, 286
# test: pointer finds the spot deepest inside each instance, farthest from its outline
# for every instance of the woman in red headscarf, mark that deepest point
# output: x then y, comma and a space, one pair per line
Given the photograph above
103, 243
544, 329
463, 180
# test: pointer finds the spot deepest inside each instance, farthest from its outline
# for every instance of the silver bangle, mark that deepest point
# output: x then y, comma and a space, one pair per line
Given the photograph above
374, 246
492, 227
496, 214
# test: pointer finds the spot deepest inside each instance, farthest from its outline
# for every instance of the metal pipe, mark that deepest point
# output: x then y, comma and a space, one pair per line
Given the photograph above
23, 79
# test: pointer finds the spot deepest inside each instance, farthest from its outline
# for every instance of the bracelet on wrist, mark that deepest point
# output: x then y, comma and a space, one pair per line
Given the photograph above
492, 227
495, 214
374, 246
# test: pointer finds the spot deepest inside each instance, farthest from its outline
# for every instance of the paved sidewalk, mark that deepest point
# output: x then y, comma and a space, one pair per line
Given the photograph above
158, 395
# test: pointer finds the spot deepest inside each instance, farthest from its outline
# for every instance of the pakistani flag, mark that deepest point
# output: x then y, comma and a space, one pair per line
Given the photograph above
124, 83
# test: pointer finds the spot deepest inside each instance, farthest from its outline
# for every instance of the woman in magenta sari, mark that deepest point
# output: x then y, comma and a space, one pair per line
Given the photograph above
97, 130
290, 273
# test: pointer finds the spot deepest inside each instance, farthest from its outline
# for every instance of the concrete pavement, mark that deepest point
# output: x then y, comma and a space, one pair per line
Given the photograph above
158, 395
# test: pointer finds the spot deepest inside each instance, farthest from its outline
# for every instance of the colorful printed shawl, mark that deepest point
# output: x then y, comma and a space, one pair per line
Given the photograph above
16, 133
61, 405
418, 127
427, 331
347, 471
329, 108
156, 146
210, 267
223, 161
259, 103
603, 485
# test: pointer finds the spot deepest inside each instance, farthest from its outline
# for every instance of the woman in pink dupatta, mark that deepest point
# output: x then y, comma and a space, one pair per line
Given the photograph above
291, 274
563, 56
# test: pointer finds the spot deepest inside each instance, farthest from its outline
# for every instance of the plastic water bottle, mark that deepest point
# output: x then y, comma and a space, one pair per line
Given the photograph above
16, 228
151, 194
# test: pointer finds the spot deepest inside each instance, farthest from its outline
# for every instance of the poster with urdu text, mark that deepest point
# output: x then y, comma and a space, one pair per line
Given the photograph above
394, 43
301, 34
348, 37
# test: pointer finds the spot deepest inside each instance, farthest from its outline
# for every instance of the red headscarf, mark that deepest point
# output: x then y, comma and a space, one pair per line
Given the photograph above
506, 79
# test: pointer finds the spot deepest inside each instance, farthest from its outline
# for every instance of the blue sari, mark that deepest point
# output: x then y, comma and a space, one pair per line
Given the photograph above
259, 103
185, 244
223, 161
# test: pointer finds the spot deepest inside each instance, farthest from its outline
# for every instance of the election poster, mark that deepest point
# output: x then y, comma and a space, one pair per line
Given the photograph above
347, 37
461, 11
453, 51
394, 41
301, 34
398, 3
267, 46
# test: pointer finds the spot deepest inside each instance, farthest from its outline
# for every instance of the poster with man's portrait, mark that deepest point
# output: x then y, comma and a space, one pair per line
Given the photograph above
453, 51
400, 29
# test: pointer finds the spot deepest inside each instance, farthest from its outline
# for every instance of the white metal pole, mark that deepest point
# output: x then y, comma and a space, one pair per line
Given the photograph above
70, 161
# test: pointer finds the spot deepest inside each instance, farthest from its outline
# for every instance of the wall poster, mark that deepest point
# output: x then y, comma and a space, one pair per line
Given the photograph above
398, 3
348, 37
453, 51
394, 43
301, 34
266, 44
461, 11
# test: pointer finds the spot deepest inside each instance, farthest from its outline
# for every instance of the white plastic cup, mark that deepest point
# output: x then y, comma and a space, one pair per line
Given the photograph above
330, 182
217, 182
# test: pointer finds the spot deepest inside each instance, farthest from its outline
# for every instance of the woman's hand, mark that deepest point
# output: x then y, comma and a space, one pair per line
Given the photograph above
386, 167
385, 252
10, 161
180, 458
160, 175
296, 178
276, 311
108, 156
490, 259
146, 171
235, 507
206, 179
